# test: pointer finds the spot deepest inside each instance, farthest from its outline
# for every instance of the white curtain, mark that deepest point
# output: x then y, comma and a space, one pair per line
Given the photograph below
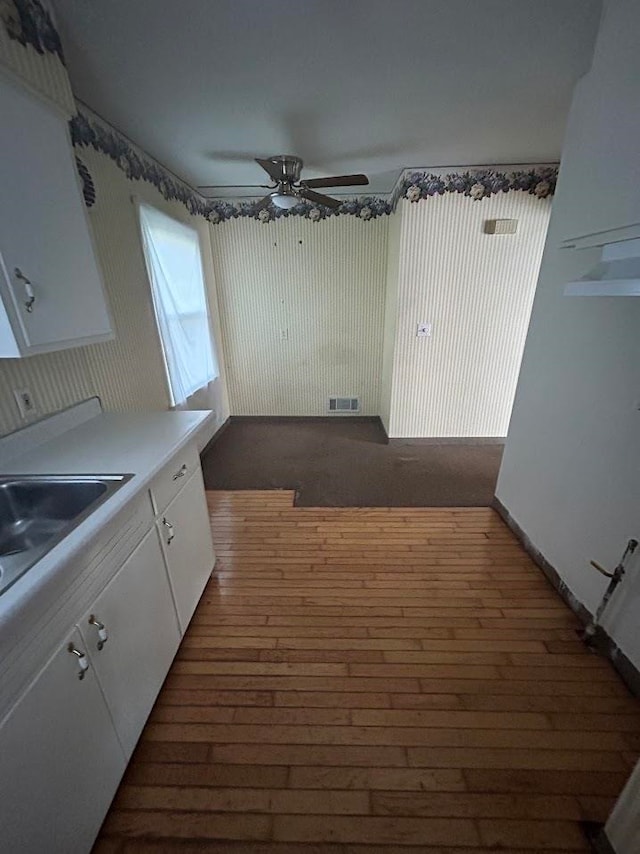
172, 253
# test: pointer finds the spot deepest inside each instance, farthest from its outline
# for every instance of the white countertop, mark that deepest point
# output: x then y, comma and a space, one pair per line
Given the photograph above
109, 443
139, 443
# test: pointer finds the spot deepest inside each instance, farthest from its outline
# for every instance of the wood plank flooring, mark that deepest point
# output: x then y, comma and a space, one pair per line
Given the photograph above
374, 680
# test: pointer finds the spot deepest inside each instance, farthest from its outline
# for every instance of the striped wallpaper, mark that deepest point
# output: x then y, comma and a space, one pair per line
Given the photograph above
477, 291
44, 73
302, 307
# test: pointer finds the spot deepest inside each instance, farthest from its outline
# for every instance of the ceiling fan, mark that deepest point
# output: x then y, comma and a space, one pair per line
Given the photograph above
288, 189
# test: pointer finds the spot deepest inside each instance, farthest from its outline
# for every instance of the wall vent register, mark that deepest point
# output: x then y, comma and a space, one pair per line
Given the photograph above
344, 404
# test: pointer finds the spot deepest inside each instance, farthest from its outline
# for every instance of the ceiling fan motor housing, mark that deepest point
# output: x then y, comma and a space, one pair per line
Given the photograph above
291, 167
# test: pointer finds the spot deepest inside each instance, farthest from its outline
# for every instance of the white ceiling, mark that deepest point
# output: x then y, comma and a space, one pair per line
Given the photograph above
348, 85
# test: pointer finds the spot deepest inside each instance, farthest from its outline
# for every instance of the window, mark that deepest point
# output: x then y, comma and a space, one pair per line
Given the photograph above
172, 253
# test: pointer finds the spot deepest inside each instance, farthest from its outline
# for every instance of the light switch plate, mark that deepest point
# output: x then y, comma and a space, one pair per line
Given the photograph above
26, 403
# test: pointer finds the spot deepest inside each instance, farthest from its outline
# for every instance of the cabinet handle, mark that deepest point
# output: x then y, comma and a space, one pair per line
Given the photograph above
103, 634
28, 289
169, 528
181, 472
83, 662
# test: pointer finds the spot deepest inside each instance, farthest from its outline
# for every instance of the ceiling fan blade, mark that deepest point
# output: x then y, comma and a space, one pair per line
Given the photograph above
230, 186
319, 198
337, 181
273, 170
263, 203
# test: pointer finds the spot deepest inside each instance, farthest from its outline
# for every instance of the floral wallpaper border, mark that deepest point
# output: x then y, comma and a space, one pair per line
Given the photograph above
88, 187
365, 207
539, 181
89, 132
479, 184
415, 186
29, 22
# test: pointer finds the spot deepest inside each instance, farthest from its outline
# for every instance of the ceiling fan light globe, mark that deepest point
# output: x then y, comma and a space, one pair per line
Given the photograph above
284, 201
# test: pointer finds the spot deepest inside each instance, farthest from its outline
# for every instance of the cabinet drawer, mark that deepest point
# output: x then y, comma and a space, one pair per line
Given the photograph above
173, 477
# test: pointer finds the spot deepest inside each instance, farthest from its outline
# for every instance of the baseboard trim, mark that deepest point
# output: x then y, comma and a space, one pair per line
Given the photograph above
552, 574
602, 642
215, 437
449, 440
301, 418
428, 440
597, 837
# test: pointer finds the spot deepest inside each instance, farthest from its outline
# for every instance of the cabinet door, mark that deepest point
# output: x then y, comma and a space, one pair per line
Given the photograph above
60, 761
186, 538
137, 614
44, 231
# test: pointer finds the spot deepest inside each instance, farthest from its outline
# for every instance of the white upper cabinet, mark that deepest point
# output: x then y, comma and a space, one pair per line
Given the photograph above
601, 157
51, 288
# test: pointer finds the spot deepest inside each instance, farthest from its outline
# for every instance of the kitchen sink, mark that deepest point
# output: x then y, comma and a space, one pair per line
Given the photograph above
38, 511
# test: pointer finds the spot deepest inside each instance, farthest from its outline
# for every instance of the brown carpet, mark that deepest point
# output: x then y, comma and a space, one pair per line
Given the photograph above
347, 463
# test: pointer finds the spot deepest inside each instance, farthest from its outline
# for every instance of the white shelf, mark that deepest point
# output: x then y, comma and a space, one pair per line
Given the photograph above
617, 274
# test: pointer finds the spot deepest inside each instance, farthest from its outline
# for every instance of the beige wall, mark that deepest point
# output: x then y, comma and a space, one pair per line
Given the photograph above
324, 283
477, 291
349, 295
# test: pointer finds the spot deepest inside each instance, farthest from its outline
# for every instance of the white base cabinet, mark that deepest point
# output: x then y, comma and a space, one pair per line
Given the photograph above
131, 634
185, 532
65, 743
60, 760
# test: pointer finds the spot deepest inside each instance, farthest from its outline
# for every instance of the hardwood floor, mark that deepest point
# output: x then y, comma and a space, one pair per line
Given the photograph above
369, 680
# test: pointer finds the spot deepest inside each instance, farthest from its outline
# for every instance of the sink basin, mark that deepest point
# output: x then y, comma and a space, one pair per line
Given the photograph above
36, 512
33, 511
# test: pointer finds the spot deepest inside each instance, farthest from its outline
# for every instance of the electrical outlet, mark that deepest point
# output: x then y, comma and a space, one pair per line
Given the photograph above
26, 403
